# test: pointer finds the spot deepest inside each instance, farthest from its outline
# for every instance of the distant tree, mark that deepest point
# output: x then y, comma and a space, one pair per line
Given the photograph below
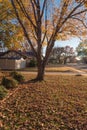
69, 53
46, 26
82, 48
62, 52
56, 54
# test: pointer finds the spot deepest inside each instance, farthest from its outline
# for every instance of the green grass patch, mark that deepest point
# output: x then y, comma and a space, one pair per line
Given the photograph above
9, 83
17, 76
3, 92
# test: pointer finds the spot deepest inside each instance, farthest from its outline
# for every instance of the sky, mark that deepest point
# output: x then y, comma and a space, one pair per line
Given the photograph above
73, 42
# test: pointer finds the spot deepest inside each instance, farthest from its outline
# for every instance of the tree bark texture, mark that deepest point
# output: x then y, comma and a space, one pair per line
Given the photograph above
41, 71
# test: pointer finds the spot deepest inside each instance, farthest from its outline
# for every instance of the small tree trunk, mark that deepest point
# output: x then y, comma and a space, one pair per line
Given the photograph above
65, 60
40, 73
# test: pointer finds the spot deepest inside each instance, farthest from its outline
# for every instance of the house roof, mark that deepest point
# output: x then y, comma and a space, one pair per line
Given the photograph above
12, 54
29, 54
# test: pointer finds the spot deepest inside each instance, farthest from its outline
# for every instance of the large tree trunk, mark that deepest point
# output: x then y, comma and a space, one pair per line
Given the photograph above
40, 72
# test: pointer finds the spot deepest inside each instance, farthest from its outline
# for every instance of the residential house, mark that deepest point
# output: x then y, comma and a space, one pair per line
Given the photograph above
12, 60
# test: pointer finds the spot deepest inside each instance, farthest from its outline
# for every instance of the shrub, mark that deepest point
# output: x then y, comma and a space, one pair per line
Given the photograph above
32, 63
13, 73
3, 92
17, 76
9, 83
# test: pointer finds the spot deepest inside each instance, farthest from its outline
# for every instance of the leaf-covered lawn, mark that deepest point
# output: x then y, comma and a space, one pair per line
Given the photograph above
55, 69
58, 103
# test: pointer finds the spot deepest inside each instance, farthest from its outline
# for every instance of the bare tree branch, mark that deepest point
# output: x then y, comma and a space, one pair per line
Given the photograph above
44, 5
79, 13
21, 5
25, 32
80, 21
34, 11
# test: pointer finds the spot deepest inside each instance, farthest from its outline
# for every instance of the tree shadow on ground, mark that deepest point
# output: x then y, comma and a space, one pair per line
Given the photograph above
31, 81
